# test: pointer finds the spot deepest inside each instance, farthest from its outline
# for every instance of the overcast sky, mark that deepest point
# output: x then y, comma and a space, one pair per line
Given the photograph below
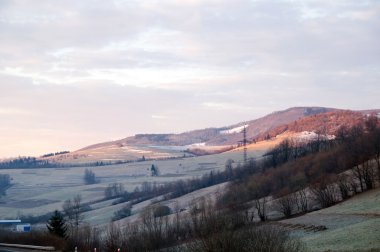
74, 73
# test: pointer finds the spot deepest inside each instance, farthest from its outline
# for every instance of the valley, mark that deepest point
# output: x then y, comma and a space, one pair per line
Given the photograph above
283, 160
41, 191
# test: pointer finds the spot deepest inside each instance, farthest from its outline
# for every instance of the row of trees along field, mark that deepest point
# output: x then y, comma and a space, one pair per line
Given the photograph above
32, 162
332, 170
204, 228
25, 162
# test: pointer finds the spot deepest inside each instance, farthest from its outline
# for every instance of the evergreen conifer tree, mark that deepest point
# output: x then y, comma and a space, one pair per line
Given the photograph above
57, 225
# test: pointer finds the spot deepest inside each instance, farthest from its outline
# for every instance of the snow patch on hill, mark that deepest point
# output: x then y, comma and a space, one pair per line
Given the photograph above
234, 130
310, 136
196, 145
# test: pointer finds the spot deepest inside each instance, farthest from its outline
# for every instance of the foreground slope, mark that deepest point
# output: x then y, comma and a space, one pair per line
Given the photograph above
352, 225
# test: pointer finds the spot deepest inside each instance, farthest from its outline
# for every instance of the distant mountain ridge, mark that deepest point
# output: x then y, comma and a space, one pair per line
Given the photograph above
285, 123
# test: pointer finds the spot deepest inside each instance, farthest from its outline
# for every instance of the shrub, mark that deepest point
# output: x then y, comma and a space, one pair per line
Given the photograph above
252, 238
90, 177
161, 211
122, 213
325, 194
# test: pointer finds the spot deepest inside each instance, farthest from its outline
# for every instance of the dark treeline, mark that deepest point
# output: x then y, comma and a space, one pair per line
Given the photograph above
175, 189
32, 162
292, 166
55, 154
25, 162
204, 228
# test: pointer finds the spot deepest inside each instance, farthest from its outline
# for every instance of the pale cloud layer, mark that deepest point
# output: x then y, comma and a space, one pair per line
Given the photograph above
73, 73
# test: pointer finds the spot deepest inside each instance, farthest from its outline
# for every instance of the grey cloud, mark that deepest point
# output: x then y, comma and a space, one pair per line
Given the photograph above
114, 68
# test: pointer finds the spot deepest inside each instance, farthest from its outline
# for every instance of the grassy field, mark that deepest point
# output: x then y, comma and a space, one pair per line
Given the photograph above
362, 236
113, 152
352, 225
116, 153
40, 191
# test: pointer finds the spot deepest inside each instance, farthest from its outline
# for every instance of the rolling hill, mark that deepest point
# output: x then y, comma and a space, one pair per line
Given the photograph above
213, 140
228, 135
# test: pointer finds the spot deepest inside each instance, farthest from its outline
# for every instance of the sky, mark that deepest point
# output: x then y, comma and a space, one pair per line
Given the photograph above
75, 73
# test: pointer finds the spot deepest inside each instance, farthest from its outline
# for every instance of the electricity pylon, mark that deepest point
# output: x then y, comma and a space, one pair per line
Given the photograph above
245, 145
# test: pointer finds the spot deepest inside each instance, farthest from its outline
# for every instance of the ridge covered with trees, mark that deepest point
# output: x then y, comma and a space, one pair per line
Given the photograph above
332, 169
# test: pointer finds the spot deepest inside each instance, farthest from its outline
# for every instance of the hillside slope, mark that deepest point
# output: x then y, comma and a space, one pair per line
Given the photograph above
324, 123
352, 225
220, 136
214, 140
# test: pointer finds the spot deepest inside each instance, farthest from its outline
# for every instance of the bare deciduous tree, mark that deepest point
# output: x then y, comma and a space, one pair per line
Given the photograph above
365, 174
325, 194
302, 200
368, 175
358, 173
344, 186
87, 238
286, 204
113, 237
260, 205
154, 228
73, 212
